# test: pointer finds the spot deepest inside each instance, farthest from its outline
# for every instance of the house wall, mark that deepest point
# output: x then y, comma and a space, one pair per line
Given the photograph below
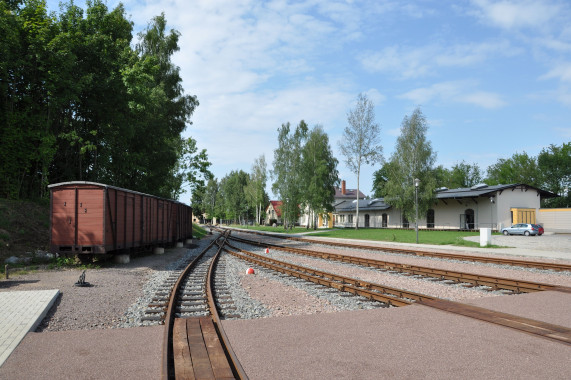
518, 198
447, 213
555, 219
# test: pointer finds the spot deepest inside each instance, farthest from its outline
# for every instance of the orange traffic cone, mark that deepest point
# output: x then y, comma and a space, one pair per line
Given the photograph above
267, 250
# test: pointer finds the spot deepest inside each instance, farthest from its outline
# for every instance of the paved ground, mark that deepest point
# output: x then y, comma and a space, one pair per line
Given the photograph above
87, 354
405, 343
20, 313
409, 342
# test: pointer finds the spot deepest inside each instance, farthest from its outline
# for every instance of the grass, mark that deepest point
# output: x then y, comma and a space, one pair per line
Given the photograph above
277, 230
389, 235
198, 231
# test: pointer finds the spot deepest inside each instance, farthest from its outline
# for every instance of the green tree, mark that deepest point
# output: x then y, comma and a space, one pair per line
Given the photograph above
464, 175
554, 163
210, 199
255, 189
520, 168
361, 140
319, 174
413, 158
233, 196
287, 171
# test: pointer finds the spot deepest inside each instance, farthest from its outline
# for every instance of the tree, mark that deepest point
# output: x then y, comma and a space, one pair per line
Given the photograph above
412, 158
287, 170
460, 176
255, 190
319, 173
520, 168
210, 199
232, 193
554, 164
361, 140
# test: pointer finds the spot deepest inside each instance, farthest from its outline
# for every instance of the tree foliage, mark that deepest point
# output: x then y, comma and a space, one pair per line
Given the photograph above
520, 168
461, 175
232, 197
413, 158
361, 140
80, 101
287, 172
255, 190
319, 174
554, 165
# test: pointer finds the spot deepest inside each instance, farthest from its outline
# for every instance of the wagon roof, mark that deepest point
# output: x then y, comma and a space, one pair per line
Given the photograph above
80, 183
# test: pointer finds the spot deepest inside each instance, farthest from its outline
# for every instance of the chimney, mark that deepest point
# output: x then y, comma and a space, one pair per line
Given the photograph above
343, 190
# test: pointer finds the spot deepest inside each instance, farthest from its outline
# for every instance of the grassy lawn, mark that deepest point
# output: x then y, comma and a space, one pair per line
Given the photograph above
390, 235
198, 231
277, 230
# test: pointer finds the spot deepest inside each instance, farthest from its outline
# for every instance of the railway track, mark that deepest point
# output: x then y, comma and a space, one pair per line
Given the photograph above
494, 283
399, 297
421, 253
195, 344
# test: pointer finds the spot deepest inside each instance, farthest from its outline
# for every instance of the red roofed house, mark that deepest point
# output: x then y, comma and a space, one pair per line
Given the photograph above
274, 211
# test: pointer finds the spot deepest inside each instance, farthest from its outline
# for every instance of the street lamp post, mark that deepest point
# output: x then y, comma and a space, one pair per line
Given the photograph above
416, 183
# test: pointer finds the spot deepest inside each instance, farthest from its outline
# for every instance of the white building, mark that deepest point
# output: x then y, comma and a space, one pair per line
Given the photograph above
465, 208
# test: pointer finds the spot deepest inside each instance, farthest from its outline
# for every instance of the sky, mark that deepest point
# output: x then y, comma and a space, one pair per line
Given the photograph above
492, 78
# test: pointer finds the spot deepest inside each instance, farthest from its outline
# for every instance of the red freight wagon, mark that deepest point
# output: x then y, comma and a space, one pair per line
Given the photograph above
93, 218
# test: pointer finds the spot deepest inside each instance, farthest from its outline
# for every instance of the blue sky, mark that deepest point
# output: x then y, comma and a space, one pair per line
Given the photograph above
492, 77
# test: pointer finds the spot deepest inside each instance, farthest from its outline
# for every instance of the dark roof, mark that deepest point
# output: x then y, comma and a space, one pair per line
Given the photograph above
349, 194
483, 190
364, 204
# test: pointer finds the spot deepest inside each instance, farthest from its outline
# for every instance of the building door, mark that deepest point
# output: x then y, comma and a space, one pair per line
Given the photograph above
404, 222
384, 221
430, 218
467, 220
367, 219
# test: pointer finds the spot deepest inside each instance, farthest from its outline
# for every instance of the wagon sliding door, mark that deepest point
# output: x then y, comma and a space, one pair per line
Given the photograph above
63, 220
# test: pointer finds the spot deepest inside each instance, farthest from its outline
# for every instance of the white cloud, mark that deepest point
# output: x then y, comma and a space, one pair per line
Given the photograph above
564, 132
509, 14
413, 62
561, 71
454, 92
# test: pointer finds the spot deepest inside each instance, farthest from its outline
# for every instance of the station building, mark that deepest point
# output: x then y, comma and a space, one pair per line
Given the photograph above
472, 208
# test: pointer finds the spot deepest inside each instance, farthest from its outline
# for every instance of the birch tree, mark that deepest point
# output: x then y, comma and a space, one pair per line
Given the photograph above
361, 141
413, 158
287, 170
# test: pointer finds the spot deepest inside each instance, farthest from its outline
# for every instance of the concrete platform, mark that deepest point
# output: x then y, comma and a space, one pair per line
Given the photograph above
406, 343
21, 312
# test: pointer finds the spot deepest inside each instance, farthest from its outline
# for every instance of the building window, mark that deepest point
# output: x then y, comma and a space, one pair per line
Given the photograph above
430, 218
350, 217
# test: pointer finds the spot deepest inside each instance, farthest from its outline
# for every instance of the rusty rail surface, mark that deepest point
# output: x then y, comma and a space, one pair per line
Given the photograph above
372, 291
167, 367
557, 333
493, 282
416, 252
550, 331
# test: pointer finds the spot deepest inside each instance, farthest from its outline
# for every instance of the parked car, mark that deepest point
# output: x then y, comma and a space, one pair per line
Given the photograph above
540, 229
521, 229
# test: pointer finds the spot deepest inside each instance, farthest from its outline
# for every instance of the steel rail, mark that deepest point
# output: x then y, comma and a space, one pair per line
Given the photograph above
167, 364
415, 252
230, 354
517, 286
366, 289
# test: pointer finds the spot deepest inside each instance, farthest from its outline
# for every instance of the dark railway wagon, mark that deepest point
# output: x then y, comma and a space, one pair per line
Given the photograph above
93, 218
